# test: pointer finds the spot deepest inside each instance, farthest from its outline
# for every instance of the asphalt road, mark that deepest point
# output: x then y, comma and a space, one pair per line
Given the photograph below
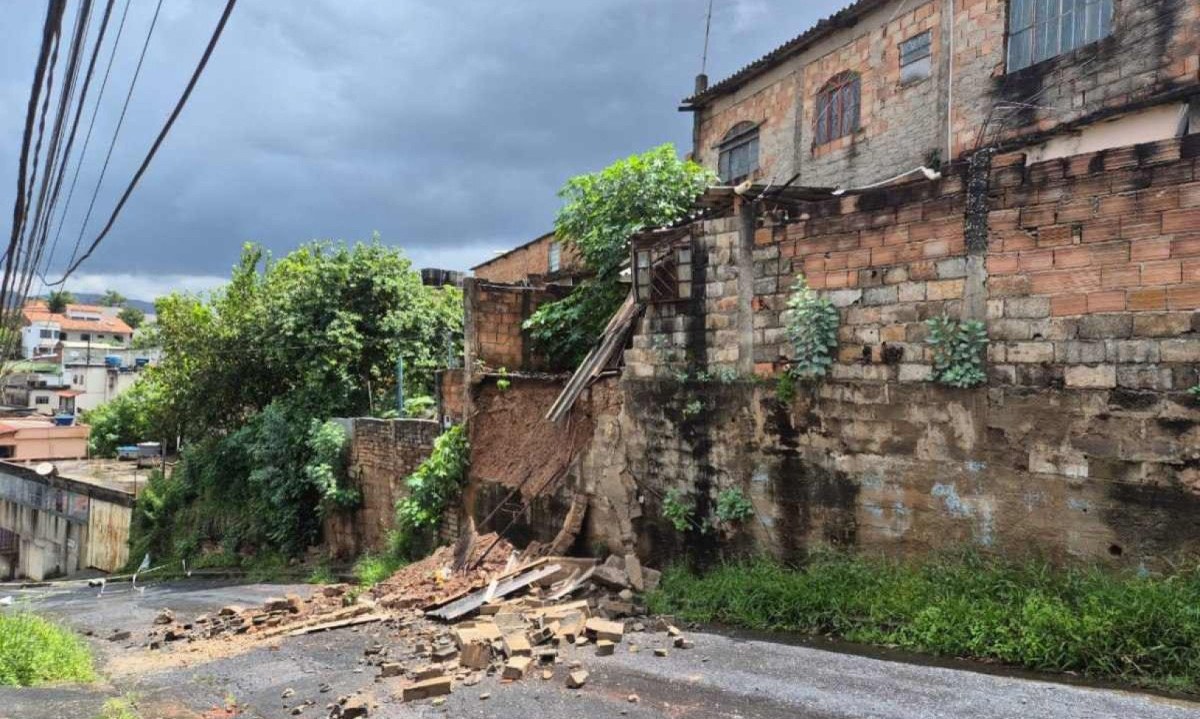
721, 676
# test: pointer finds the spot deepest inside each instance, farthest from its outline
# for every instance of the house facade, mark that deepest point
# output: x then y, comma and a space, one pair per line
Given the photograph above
884, 87
542, 260
88, 325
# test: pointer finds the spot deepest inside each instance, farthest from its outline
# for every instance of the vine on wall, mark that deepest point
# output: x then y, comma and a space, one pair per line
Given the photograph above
958, 349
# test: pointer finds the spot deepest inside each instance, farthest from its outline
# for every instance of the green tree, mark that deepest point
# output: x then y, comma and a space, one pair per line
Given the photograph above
600, 212
112, 298
250, 374
57, 300
132, 316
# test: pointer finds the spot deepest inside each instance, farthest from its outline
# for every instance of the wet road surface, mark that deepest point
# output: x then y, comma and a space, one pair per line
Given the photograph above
721, 676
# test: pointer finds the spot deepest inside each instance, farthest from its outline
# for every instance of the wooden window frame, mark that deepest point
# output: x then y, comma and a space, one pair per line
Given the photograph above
838, 108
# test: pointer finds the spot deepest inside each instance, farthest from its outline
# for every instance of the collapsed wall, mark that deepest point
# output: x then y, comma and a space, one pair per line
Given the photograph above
1083, 442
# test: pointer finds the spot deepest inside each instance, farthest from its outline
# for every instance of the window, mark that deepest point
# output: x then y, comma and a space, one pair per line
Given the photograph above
48, 334
555, 257
915, 58
85, 337
739, 152
1040, 29
663, 272
837, 108
41, 399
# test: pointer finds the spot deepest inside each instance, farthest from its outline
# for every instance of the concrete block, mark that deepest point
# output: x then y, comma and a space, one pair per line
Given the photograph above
1098, 377
437, 687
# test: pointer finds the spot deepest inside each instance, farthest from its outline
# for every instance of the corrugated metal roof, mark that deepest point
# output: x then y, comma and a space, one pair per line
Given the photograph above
844, 18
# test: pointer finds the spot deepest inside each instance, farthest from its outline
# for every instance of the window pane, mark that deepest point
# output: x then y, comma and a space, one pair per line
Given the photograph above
1020, 15
918, 70
684, 273
752, 150
1019, 50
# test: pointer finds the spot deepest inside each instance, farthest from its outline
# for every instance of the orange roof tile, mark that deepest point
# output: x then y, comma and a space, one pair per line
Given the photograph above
37, 312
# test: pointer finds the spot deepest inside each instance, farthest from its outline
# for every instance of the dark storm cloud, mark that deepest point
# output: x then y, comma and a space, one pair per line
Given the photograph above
446, 126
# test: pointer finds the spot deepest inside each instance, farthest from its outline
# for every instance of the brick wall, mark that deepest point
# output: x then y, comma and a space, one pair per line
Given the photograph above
1154, 48
529, 263
382, 453
1152, 55
1082, 443
496, 314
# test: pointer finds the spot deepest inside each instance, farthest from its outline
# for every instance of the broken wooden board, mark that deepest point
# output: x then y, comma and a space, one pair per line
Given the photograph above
474, 600
326, 626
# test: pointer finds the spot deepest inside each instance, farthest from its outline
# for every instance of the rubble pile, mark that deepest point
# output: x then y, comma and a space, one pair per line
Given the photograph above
441, 629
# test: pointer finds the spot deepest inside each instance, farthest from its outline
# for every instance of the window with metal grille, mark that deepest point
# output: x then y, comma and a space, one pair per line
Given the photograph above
916, 58
738, 152
837, 108
1041, 29
662, 273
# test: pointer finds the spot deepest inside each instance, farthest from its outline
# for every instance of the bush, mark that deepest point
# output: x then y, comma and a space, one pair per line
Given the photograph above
35, 651
431, 490
1140, 629
371, 569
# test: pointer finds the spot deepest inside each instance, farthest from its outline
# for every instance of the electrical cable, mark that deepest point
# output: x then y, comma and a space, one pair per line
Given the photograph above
216, 36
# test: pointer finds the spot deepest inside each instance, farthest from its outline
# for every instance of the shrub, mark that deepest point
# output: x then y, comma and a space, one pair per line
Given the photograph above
733, 507
36, 651
677, 510
371, 569
1141, 629
811, 325
957, 351
431, 489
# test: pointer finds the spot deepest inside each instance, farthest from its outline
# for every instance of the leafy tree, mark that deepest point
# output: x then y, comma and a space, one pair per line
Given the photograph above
600, 212
57, 300
131, 417
112, 298
250, 374
132, 316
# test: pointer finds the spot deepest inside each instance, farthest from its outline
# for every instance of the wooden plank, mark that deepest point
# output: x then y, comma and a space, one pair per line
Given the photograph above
353, 621
474, 600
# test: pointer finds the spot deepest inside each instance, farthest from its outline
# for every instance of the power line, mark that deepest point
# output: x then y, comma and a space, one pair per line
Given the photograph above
51, 187
50, 30
79, 114
116, 131
212, 44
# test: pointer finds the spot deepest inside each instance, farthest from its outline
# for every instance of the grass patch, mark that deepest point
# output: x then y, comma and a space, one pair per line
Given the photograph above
120, 708
371, 569
36, 651
1144, 630
321, 574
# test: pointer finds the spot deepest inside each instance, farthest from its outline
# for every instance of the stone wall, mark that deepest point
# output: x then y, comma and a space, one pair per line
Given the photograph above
382, 453
1083, 443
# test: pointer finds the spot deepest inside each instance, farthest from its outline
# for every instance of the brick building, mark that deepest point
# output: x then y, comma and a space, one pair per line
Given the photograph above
541, 260
885, 86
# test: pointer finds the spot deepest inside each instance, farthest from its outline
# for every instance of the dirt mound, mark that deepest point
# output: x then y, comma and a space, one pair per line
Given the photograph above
441, 575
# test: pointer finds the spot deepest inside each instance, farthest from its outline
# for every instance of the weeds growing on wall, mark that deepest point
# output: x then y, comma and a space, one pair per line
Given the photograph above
733, 507
677, 509
36, 651
811, 323
432, 488
958, 349
1140, 629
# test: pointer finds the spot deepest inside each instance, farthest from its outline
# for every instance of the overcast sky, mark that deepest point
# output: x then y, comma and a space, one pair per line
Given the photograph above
447, 126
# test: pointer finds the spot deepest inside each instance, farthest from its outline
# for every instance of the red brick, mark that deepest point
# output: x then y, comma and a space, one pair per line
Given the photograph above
1186, 246
1117, 205
1162, 272
1036, 260
1181, 220
924, 270
1157, 199
1102, 230
1120, 276
1145, 225
1055, 235
1065, 257
1108, 301
1186, 297
1002, 264
1111, 253
1147, 248
1068, 305
1191, 270
935, 248
1189, 195
1146, 298
1066, 281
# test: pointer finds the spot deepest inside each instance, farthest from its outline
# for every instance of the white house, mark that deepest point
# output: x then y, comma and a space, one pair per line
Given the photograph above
90, 325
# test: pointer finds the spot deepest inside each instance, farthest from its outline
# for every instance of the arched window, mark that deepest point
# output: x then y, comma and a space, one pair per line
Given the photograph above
837, 108
739, 152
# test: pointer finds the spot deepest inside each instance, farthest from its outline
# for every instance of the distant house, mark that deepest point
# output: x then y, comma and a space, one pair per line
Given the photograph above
540, 261
79, 376
37, 439
89, 325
